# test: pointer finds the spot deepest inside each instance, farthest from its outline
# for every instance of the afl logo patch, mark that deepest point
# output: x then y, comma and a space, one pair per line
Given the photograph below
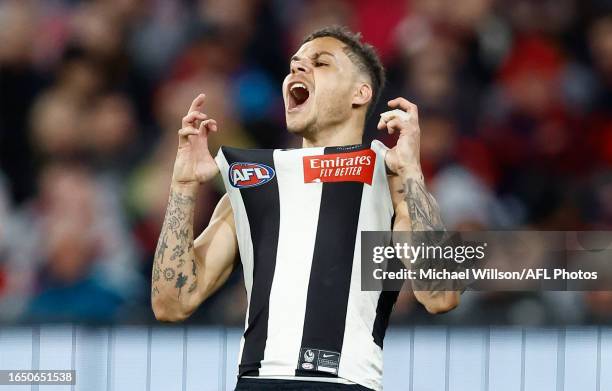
243, 174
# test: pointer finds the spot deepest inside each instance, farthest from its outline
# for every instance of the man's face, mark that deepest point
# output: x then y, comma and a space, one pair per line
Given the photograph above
319, 89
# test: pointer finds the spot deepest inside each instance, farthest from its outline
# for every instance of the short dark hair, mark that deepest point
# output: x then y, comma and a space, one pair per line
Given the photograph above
362, 54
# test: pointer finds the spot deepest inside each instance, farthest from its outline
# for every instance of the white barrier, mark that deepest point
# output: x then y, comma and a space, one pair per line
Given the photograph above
416, 359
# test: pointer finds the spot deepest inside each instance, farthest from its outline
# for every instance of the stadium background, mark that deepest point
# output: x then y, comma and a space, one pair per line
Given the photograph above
515, 109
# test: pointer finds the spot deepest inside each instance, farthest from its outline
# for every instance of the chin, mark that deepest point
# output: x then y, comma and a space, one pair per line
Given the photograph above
297, 127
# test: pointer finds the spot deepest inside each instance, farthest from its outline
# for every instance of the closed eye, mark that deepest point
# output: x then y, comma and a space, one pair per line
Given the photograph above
320, 64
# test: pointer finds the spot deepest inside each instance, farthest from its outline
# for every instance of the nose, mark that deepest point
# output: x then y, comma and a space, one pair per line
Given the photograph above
299, 66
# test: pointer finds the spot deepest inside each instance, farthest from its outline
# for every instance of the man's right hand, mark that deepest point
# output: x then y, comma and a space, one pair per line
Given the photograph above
194, 164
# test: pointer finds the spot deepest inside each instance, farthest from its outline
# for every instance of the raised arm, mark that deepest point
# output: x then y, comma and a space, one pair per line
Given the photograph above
415, 208
187, 271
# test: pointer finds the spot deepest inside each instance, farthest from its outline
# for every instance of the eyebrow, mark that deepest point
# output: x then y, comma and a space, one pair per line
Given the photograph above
314, 56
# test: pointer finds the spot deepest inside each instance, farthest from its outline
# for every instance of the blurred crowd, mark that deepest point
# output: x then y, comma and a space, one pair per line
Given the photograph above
515, 104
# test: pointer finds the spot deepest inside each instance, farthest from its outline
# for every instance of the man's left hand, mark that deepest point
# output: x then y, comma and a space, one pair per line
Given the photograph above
404, 158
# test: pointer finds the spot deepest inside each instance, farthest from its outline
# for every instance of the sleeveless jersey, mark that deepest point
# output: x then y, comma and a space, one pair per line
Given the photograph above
299, 214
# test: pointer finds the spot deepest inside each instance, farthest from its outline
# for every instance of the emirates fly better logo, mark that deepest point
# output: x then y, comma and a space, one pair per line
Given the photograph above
340, 167
242, 174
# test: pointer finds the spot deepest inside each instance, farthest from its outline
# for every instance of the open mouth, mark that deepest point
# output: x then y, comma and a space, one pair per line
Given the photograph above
298, 95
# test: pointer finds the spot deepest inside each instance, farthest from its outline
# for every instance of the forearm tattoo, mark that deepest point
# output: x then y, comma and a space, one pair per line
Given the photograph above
174, 247
425, 215
422, 207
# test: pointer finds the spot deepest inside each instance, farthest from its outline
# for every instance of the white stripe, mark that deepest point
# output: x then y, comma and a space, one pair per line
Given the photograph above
334, 380
243, 234
361, 359
296, 241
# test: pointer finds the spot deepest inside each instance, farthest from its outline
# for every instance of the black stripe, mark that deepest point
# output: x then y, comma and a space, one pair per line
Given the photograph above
332, 264
263, 211
386, 300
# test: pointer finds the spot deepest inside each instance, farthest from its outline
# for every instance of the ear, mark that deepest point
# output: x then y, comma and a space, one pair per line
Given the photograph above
363, 95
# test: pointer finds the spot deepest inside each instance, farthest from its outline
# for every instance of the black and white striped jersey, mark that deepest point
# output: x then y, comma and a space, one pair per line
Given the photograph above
299, 214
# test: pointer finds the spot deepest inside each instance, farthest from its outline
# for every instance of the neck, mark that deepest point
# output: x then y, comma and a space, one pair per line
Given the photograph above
345, 133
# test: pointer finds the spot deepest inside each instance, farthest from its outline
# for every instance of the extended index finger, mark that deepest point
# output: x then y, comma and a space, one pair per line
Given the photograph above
197, 102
